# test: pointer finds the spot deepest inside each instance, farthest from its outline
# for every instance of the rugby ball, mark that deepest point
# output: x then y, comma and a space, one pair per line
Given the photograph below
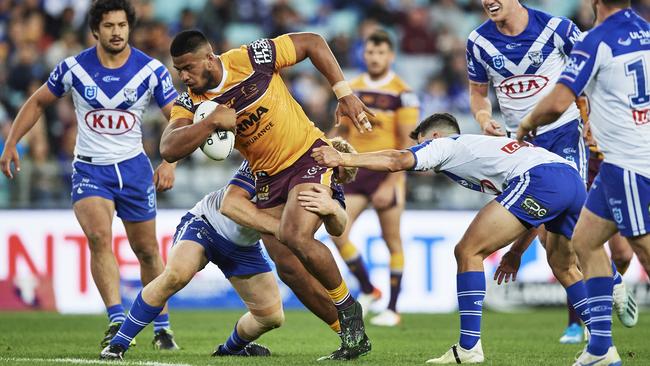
219, 145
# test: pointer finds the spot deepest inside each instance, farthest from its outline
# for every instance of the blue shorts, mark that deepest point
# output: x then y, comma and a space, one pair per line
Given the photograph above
550, 194
128, 183
232, 259
568, 142
621, 196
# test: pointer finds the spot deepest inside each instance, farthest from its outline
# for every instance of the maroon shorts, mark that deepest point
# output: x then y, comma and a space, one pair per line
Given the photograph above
594, 167
273, 190
366, 182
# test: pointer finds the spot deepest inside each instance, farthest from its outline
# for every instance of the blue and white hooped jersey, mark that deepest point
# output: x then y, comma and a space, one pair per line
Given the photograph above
611, 64
109, 103
523, 68
479, 162
210, 204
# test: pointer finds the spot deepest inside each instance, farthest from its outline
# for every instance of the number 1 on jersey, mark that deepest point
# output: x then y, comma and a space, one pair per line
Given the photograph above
637, 70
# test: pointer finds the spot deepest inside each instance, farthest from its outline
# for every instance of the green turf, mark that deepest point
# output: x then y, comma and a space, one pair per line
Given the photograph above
525, 338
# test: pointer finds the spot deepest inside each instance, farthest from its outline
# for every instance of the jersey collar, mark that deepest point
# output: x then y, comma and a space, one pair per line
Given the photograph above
378, 83
224, 76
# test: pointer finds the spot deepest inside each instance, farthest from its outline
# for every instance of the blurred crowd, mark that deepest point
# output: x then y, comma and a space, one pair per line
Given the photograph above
430, 36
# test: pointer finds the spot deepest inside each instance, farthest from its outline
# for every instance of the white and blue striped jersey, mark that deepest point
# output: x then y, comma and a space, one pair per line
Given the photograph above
210, 204
523, 68
481, 163
611, 64
109, 103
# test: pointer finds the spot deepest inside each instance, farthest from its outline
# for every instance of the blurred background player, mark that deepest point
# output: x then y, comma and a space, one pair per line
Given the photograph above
205, 235
609, 64
396, 114
520, 51
276, 137
111, 85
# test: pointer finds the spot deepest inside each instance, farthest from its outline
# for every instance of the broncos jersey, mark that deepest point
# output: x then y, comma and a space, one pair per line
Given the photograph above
523, 68
393, 103
272, 129
611, 64
481, 163
109, 103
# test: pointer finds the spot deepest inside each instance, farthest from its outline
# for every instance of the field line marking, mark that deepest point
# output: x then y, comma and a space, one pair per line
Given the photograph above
81, 361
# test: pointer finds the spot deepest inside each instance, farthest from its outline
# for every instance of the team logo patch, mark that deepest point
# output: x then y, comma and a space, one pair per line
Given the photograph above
498, 62
536, 57
618, 214
90, 92
533, 208
131, 95
263, 193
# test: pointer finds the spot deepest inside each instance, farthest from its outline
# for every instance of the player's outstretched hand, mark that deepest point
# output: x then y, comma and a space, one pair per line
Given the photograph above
318, 200
352, 107
9, 155
327, 156
492, 128
163, 177
526, 130
223, 118
508, 268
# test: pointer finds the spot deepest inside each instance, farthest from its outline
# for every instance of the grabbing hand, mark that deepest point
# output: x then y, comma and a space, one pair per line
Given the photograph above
352, 107
223, 118
163, 177
317, 200
327, 156
492, 128
507, 268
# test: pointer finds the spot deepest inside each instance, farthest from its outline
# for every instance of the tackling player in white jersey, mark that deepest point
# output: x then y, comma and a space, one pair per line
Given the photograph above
522, 51
610, 64
533, 187
111, 86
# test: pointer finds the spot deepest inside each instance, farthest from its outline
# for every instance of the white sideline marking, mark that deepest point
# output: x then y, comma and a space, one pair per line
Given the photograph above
81, 361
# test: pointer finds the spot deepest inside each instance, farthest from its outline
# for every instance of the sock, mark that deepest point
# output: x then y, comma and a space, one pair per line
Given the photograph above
336, 327
140, 315
353, 259
577, 295
574, 318
115, 313
161, 322
341, 296
617, 276
396, 269
235, 343
599, 290
470, 288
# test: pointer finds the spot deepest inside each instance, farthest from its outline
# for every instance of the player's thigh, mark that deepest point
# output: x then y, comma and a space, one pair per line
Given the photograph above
142, 236
390, 222
354, 206
296, 222
620, 247
493, 228
559, 250
591, 231
95, 215
641, 246
259, 292
274, 211
186, 258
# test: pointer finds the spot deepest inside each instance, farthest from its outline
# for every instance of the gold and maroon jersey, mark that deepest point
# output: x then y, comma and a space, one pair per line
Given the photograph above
272, 129
393, 103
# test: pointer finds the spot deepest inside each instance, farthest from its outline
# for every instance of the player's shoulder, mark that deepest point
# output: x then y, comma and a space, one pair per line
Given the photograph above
399, 85
486, 29
357, 82
236, 59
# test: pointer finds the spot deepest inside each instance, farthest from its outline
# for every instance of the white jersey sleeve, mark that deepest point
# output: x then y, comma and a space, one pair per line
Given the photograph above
432, 154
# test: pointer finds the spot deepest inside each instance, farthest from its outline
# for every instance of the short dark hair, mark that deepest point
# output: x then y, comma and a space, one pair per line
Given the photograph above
621, 3
380, 36
101, 7
435, 121
187, 41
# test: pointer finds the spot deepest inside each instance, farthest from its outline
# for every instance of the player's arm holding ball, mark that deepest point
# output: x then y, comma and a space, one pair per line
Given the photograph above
314, 47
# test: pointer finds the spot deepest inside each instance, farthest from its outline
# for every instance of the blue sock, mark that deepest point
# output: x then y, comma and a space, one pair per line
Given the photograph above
617, 276
470, 288
599, 290
577, 295
161, 322
115, 313
140, 315
235, 343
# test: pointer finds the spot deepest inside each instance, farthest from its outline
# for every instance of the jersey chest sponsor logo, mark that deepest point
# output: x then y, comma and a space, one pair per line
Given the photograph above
523, 86
250, 123
110, 121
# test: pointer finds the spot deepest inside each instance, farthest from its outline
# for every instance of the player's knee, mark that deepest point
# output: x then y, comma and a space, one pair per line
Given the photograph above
272, 321
99, 240
147, 254
174, 279
462, 252
287, 270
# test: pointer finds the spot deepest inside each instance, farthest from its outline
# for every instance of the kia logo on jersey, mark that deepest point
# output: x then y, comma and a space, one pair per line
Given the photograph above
523, 86
110, 121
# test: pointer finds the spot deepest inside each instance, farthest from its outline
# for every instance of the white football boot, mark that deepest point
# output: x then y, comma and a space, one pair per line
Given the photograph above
366, 300
386, 318
458, 354
611, 358
625, 306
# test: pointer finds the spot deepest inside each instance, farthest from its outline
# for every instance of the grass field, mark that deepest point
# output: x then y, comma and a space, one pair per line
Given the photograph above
525, 338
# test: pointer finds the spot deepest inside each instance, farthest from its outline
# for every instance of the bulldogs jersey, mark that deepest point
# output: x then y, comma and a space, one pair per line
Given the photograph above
109, 103
479, 162
210, 204
523, 68
611, 64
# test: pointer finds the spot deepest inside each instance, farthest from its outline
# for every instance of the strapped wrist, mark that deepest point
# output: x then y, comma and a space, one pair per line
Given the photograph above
341, 89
